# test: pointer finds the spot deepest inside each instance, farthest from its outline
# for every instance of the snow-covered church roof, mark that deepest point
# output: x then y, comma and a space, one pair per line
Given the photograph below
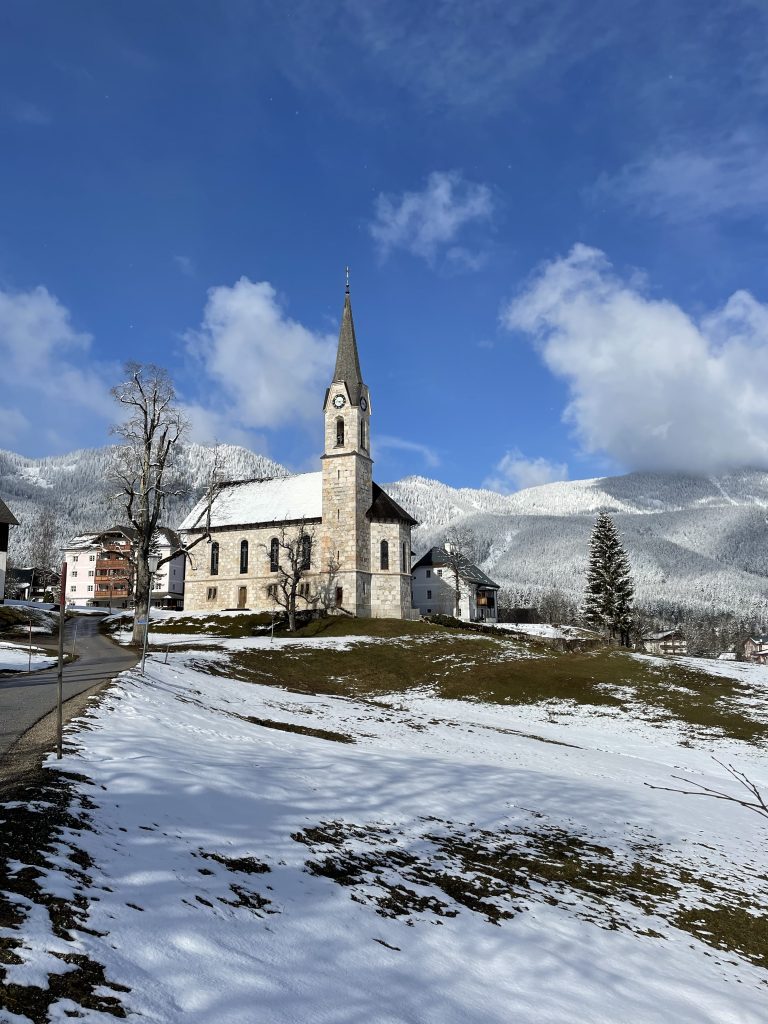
249, 502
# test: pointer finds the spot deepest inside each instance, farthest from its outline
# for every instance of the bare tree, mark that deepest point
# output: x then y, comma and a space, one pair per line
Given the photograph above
143, 466
754, 802
459, 548
43, 553
294, 559
142, 460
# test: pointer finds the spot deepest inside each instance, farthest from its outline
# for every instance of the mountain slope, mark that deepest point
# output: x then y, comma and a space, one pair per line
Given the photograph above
76, 488
694, 541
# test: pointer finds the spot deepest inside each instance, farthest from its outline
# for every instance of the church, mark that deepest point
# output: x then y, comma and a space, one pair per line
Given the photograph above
356, 552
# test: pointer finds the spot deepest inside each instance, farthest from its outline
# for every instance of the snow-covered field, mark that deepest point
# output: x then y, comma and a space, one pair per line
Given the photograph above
415, 860
15, 657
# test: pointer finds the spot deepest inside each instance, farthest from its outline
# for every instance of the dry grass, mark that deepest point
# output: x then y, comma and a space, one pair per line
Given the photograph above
466, 666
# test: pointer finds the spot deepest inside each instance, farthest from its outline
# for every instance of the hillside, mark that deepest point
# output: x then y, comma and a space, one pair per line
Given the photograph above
694, 541
77, 489
477, 829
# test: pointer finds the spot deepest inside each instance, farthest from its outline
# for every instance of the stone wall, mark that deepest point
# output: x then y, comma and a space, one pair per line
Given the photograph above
229, 579
391, 588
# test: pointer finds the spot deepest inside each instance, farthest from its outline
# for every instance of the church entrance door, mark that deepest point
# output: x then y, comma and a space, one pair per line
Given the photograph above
242, 596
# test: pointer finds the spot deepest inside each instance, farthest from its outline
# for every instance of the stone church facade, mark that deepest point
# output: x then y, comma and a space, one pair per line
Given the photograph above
358, 548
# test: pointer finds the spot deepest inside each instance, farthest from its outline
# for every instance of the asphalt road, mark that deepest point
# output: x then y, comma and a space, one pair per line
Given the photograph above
25, 699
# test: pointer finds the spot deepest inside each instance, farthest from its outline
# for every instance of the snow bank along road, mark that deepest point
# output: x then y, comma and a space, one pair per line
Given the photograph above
24, 699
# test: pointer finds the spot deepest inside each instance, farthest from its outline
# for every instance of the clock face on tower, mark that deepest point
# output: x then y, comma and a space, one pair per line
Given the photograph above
339, 402
363, 404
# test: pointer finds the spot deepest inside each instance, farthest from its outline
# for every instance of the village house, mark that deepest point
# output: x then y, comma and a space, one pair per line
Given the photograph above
669, 641
756, 648
100, 570
7, 520
434, 588
30, 583
356, 540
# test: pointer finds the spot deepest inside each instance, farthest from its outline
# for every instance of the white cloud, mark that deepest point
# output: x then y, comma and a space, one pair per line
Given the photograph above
45, 363
445, 55
515, 471
25, 112
428, 223
13, 423
729, 178
185, 265
649, 385
260, 369
428, 454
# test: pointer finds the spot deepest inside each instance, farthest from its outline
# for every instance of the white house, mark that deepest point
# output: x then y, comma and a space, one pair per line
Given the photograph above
100, 570
434, 588
356, 540
670, 641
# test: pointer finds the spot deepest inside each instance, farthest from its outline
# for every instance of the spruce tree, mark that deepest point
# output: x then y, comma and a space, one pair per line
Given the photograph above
610, 590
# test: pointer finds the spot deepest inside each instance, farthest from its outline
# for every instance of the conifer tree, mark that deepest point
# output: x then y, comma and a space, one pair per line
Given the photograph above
610, 590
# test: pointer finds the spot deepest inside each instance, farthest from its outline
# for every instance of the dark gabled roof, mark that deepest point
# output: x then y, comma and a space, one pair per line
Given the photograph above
384, 507
438, 557
6, 516
664, 635
127, 531
347, 359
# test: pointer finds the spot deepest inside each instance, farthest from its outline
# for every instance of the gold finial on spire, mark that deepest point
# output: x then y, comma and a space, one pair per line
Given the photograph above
346, 270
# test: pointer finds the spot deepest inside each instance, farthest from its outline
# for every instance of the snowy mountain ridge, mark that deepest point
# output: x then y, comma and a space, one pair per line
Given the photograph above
634, 493
693, 541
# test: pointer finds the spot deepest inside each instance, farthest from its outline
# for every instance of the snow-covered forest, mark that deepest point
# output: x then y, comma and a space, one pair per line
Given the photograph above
693, 542
77, 491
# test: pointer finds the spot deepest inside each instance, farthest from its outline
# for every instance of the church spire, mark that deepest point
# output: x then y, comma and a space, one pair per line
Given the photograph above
347, 359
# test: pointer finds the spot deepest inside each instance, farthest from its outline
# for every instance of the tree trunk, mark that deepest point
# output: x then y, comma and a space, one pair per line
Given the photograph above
142, 591
292, 611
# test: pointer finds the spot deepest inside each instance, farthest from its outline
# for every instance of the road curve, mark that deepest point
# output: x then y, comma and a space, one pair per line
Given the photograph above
25, 699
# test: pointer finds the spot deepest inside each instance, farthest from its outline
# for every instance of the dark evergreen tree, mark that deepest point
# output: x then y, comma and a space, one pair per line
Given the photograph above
610, 590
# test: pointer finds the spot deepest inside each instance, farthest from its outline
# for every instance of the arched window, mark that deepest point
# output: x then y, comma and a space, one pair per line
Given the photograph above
306, 551
363, 443
340, 432
384, 555
243, 556
215, 558
404, 559
274, 555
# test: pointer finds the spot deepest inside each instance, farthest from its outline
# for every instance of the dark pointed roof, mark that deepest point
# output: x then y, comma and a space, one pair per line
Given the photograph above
384, 507
6, 516
347, 359
439, 557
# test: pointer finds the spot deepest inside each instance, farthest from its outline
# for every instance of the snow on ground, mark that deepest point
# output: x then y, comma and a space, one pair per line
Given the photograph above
15, 658
242, 873
543, 629
744, 671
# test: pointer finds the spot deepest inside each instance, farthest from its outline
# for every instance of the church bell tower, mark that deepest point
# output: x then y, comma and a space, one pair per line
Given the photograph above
347, 489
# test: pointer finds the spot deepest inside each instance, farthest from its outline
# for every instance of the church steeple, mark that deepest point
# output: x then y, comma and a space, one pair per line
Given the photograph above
347, 360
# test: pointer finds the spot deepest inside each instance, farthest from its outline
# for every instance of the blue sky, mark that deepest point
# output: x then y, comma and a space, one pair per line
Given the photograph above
554, 212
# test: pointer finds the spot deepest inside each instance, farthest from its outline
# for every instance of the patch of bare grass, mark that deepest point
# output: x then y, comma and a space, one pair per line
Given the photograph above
436, 868
499, 670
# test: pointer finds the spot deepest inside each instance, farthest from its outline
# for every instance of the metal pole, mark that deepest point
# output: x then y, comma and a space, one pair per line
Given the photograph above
60, 673
29, 667
144, 650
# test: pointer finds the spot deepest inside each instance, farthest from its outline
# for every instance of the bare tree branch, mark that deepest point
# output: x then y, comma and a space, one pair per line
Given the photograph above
757, 803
